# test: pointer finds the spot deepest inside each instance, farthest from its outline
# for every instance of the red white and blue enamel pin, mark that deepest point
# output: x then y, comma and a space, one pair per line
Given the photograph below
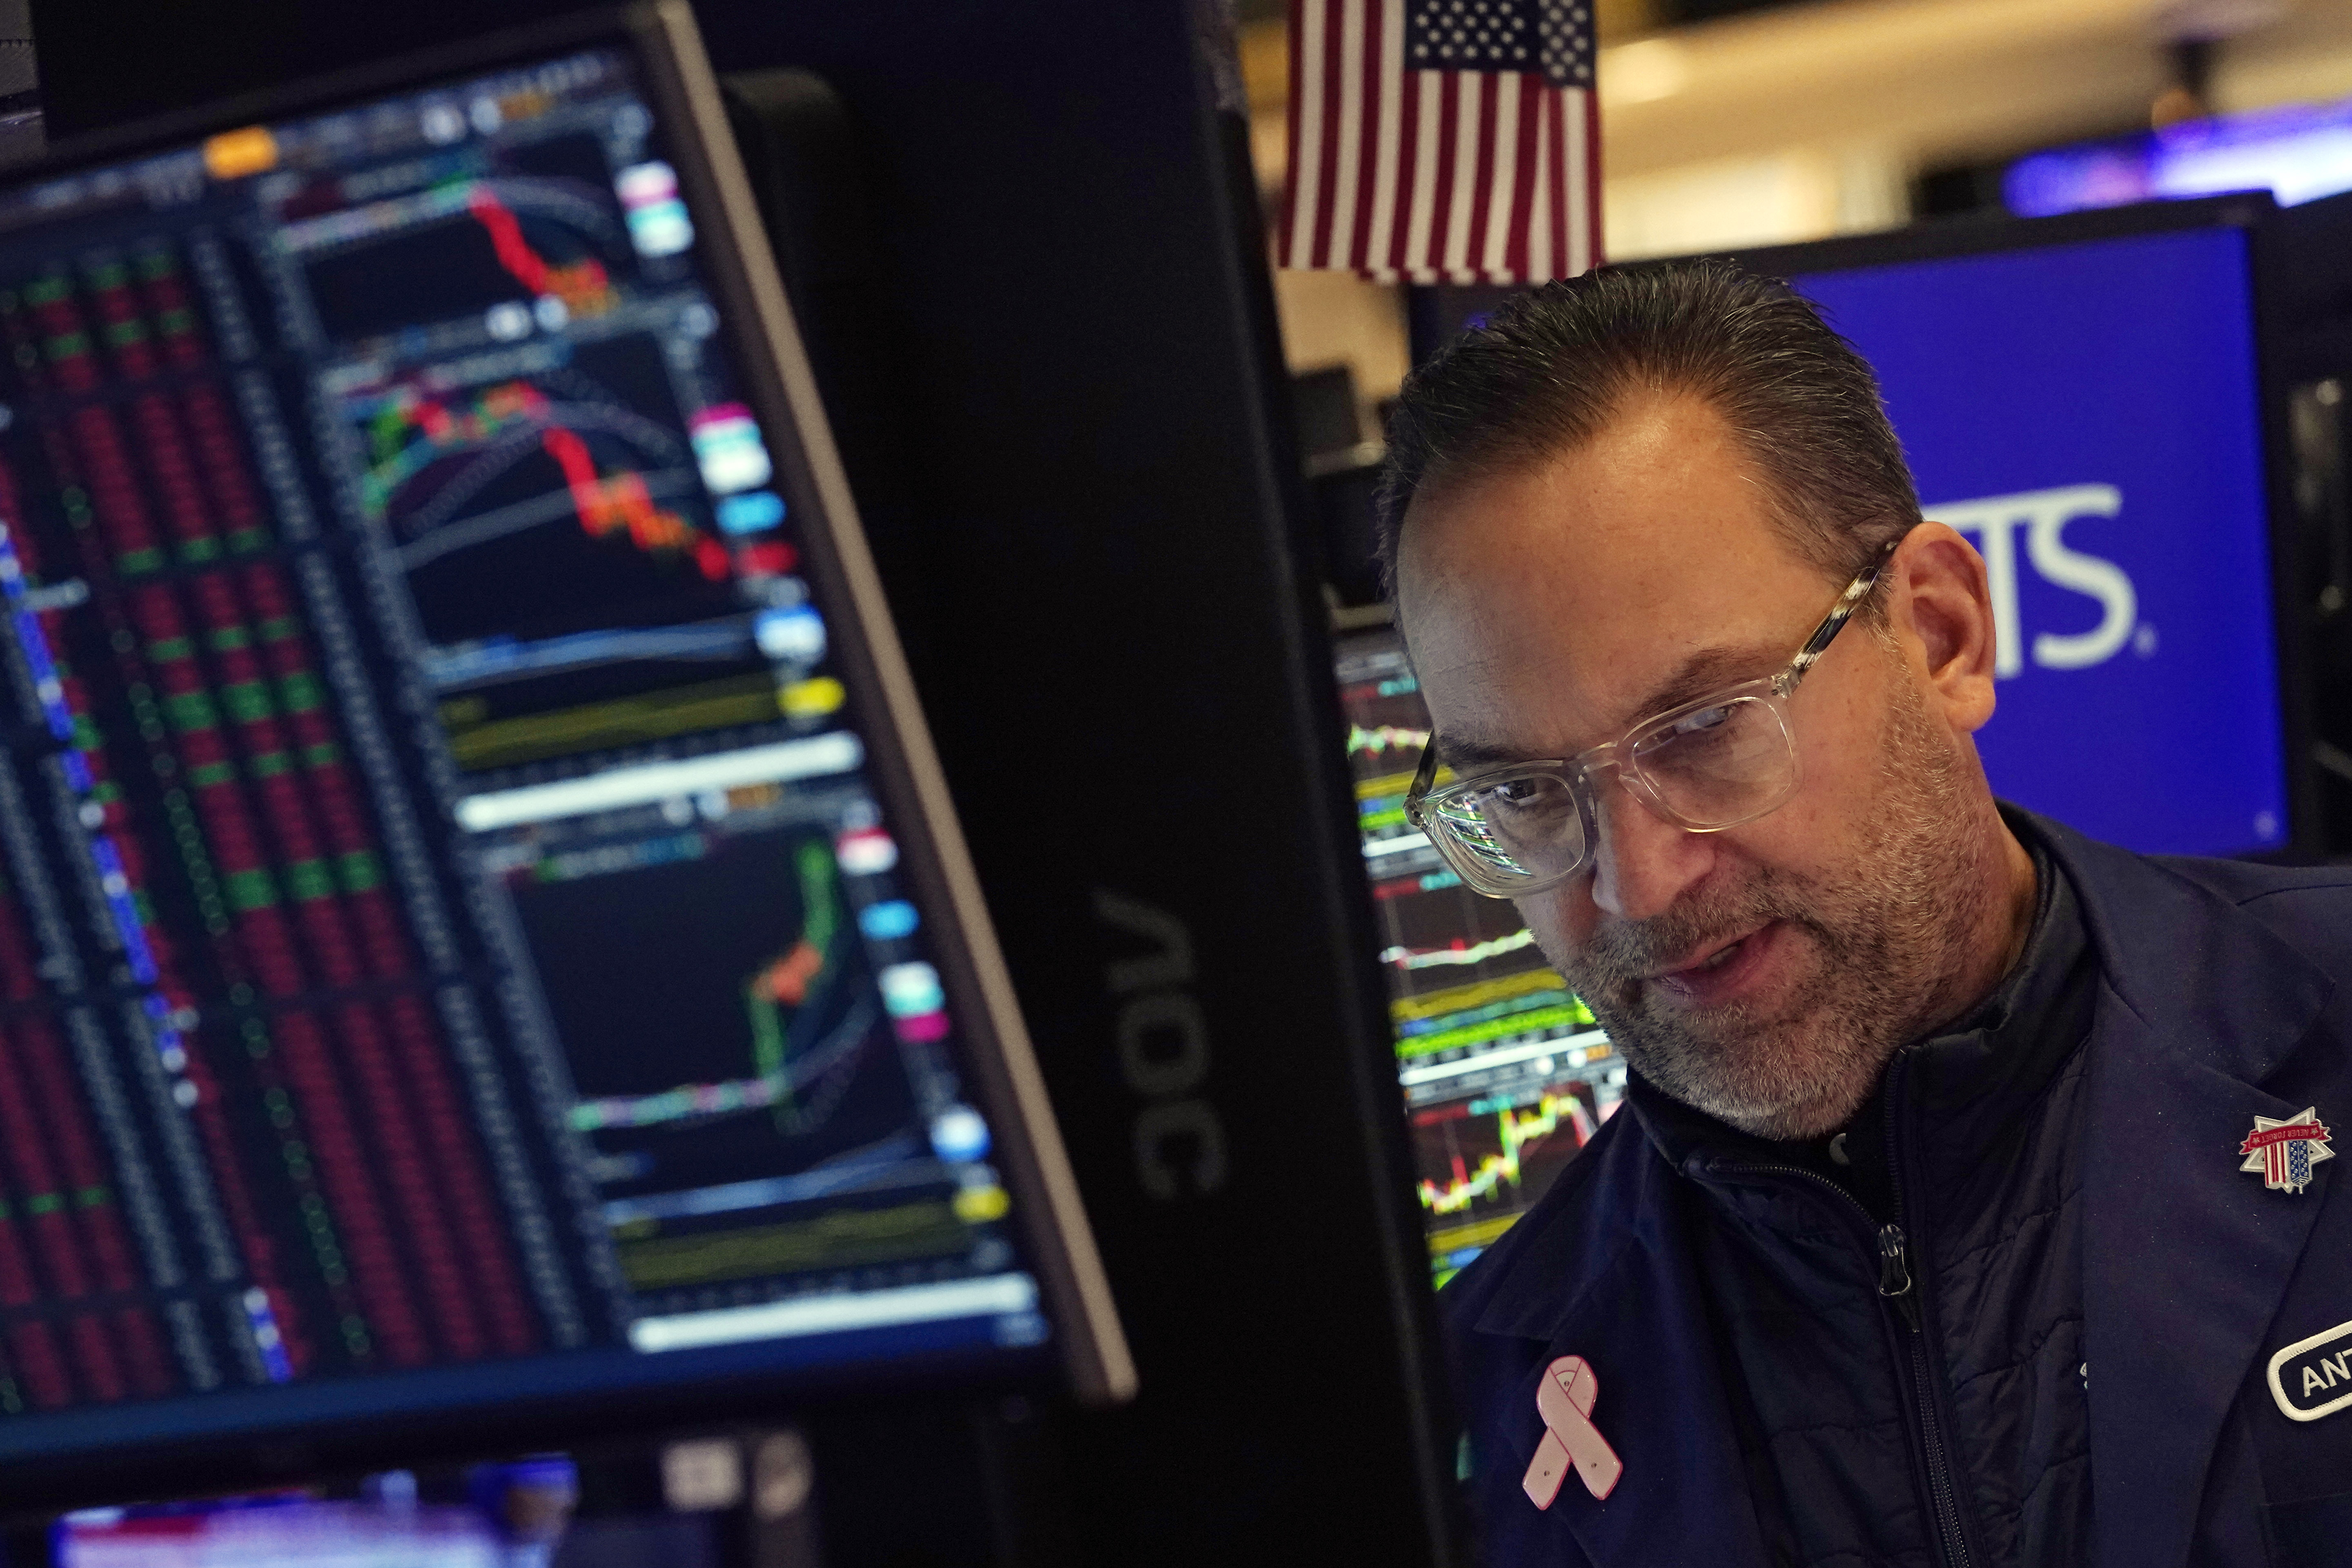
2285, 1151
1564, 1397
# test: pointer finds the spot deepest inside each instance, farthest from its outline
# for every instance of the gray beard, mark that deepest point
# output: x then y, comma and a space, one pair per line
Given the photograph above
1889, 936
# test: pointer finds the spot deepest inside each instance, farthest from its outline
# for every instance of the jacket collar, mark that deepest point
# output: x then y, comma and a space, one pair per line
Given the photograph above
2188, 1259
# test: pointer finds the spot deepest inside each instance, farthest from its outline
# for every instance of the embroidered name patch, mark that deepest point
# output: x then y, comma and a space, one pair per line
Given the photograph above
2313, 1377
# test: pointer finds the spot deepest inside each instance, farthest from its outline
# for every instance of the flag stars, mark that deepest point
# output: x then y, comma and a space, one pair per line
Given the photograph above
1533, 36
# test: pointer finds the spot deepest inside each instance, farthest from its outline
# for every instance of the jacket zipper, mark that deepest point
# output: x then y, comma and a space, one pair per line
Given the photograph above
1931, 1426
1894, 1286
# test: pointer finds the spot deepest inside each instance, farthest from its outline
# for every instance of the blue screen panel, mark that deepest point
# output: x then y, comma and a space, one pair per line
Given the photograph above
2088, 415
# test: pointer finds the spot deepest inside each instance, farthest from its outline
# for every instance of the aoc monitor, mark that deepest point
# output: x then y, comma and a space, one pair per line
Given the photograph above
2086, 398
485, 947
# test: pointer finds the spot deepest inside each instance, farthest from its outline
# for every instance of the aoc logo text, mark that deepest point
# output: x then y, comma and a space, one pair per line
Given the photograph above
2313, 1377
2043, 516
1163, 1051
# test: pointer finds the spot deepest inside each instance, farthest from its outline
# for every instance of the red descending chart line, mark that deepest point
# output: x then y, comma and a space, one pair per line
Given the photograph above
583, 286
622, 504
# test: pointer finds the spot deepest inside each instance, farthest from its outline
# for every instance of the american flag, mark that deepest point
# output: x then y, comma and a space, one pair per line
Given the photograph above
1443, 140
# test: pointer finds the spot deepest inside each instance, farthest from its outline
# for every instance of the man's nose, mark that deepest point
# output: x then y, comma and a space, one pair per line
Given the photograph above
1643, 862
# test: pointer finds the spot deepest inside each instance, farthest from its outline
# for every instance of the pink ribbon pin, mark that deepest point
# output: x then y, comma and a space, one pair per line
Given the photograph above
1564, 1399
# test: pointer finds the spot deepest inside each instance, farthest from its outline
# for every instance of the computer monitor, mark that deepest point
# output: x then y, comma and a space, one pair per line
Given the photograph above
486, 949
2298, 152
1506, 1075
1084, 526
286, 1532
2087, 398
514, 1515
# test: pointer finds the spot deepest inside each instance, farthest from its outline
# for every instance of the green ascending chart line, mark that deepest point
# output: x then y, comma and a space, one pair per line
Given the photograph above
784, 983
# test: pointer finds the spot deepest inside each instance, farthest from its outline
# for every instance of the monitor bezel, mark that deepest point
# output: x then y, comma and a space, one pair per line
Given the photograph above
1085, 1353
1433, 309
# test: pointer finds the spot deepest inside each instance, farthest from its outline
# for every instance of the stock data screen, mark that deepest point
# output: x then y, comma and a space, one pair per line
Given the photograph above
1506, 1076
446, 920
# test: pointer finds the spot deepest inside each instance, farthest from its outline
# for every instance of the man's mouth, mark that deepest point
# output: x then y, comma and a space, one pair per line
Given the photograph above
1714, 954
1717, 971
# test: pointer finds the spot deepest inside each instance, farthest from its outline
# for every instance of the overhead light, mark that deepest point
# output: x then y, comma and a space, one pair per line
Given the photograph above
1643, 72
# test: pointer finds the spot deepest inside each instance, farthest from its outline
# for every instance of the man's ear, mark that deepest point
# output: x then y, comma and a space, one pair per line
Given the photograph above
1942, 609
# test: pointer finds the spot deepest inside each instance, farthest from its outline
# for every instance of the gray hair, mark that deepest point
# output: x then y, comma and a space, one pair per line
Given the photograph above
1547, 371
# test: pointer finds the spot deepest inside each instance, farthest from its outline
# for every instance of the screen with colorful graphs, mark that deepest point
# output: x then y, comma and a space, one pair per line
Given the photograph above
451, 946
1505, 1074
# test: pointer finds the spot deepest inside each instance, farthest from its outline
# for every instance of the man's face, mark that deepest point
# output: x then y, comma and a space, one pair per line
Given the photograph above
1762, 973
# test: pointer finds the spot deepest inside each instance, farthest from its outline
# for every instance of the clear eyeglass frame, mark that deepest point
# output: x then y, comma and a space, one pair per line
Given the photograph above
1449, 814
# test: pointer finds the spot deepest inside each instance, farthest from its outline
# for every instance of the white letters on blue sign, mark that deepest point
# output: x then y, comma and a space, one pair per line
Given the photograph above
2043, 514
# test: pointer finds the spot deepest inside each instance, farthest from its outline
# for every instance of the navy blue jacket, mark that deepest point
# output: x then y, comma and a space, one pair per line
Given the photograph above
2219, 1000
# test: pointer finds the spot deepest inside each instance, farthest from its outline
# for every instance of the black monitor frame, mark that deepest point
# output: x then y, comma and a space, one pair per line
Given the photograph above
1087, 1353
1436, 314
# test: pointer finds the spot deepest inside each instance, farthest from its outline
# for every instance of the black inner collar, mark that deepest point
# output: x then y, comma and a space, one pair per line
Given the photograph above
1962, 1087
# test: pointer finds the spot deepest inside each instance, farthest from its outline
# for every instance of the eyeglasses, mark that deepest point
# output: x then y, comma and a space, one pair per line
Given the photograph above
1722, 761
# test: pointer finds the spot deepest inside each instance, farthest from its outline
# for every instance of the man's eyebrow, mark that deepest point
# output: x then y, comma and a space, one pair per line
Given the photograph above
1464, 755
1707, 670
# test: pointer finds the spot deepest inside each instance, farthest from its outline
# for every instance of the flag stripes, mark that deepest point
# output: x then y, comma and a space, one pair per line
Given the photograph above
1461, 175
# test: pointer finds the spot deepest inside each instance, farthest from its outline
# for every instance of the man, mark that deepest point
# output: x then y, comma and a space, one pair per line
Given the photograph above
1967, 1192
